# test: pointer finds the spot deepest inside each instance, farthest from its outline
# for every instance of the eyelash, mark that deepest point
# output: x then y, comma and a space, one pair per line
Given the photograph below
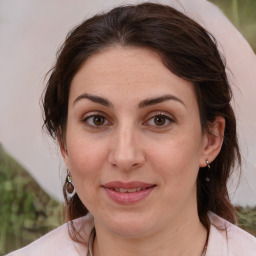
167, 119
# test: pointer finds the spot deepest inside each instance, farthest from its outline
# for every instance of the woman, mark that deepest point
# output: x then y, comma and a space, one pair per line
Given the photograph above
139, 102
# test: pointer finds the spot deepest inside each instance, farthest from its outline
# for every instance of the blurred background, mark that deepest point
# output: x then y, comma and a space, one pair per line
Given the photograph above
242, 13
31, 170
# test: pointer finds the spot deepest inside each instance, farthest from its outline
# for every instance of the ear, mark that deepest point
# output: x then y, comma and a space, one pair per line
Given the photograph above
212, 141
63, 150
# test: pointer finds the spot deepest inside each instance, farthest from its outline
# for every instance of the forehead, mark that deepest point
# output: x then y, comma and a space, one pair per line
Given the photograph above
128, 72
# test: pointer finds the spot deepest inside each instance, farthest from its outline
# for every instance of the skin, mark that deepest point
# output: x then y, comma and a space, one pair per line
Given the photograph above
127, 143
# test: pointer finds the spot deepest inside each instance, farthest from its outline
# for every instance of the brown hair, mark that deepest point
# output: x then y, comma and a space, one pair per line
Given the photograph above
187, 50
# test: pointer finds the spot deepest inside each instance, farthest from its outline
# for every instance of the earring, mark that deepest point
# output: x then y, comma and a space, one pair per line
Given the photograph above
208, 165
70, 189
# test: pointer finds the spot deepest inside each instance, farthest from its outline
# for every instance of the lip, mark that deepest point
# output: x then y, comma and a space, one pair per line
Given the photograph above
131, 184
128, 197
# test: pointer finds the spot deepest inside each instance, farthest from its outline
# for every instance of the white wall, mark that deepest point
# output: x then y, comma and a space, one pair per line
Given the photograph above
30, 33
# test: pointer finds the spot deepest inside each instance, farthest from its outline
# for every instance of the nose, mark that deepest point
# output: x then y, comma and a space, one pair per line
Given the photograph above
126, 150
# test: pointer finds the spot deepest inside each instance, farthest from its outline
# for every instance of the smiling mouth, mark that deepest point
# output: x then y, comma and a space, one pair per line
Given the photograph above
128, 190
128, 193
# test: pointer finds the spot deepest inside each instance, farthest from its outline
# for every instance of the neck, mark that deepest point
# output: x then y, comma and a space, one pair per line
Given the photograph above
185, 237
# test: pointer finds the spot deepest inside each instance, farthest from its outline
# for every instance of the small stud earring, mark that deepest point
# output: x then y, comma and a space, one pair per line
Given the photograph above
208, 165
70, 189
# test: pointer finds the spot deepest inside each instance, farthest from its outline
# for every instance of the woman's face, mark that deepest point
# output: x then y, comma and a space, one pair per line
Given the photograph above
134, 141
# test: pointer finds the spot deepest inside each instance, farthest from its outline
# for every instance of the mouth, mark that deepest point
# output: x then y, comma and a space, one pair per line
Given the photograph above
128, 193
127, 190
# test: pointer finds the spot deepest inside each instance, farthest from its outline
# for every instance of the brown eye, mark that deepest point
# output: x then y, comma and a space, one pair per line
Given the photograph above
160, 120
96, 121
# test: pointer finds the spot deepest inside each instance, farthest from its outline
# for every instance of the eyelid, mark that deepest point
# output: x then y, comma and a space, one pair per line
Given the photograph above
93, 113
160, 113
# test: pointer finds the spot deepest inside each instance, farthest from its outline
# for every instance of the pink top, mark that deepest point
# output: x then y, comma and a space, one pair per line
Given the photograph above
232, 241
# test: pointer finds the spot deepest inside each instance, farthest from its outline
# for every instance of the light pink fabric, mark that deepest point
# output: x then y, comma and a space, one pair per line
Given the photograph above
225, 239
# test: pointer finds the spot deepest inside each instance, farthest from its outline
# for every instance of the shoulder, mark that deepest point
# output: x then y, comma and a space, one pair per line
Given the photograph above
228, 239
58, 242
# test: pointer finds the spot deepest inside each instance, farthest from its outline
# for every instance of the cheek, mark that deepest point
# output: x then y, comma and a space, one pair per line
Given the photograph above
177, 161
86, 160
86, 164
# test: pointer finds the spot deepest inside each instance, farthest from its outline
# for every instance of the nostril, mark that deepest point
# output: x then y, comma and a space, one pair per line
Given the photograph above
126, 161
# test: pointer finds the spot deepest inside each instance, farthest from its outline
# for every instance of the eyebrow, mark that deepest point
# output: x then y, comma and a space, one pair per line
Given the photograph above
142, 104
94, 98
157, 100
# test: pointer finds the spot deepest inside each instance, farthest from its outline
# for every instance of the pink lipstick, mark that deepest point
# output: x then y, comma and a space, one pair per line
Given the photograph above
128, 192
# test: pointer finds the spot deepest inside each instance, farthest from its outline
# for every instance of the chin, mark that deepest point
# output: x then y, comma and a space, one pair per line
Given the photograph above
130, 225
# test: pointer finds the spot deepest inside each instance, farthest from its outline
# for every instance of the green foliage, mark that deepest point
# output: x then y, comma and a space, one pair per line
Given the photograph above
26, 212
247, 219
242, 13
